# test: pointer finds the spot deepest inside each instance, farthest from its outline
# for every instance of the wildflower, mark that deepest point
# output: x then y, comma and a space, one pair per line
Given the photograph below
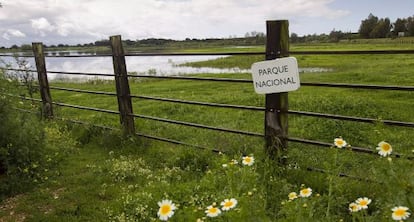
248, 160
228, 204
400, 213
224, 165
363, 202
293, 195
384, 149
234, 162
306, 192
166, 209
353, 207
305, 205
212, 211
339, 142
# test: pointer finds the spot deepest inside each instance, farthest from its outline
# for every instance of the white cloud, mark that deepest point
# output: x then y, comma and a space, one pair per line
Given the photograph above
16, 33
6, 36
90, 20
41, 26
13, 33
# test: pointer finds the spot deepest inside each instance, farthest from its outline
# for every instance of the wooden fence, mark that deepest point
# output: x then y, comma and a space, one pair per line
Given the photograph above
276, 108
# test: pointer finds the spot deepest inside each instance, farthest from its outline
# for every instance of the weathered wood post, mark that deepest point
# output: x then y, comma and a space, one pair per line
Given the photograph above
122, 85
47, 109
276, 114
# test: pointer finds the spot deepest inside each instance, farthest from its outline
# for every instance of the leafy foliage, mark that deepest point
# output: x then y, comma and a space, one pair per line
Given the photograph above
28, 148
22, 142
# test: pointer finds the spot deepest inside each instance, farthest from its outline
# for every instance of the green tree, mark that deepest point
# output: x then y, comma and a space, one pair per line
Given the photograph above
335, 36
367, 26
382, 29
294, 38
400, 25
26, 47
410, 26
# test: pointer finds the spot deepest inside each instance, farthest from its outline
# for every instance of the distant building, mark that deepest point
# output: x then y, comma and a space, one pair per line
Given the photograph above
401, 34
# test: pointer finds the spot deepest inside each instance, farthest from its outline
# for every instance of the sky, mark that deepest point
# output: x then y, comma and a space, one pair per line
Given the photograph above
86, 21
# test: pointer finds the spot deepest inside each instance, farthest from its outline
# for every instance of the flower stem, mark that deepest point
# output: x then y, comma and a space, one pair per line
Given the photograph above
330, 182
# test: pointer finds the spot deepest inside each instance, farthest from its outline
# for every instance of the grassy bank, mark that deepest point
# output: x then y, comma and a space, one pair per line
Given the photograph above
110, 178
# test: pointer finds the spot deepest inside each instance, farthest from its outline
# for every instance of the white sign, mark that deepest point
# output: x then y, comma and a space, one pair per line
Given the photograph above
274, 76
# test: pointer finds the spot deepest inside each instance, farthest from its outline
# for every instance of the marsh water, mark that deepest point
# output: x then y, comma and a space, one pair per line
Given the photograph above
141, 65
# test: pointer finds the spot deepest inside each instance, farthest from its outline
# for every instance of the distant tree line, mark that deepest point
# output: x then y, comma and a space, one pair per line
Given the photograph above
257, 39
371, 27
333, 36
159, 43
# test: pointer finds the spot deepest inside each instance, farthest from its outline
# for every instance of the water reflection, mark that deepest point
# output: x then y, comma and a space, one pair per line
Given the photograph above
141, 65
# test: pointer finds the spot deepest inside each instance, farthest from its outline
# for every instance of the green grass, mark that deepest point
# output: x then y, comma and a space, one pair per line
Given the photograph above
110, 177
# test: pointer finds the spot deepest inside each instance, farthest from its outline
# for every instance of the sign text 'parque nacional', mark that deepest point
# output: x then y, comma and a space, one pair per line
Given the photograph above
274, 76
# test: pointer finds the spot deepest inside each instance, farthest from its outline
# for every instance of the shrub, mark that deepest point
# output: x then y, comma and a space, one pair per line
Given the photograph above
22, 141
28, 149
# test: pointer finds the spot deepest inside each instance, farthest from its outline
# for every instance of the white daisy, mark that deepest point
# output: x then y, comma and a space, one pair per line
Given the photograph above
212, 211
339, 142
228, 204
248, 160
293, 195
353, 207
384, 149
400, 213
306, 192
166, 209
363, 202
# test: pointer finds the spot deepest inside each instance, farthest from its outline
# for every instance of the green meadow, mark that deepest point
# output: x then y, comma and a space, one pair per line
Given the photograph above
87, 173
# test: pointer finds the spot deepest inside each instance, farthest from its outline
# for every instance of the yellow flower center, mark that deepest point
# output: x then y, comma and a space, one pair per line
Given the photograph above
340, 142
363, 202
386, 147
165, 209
305, 191
228, 204
213, 210
248, 159
399, 212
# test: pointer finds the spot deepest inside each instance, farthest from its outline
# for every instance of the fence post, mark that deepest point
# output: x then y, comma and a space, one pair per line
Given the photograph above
47, 109
276, 114
122, 85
